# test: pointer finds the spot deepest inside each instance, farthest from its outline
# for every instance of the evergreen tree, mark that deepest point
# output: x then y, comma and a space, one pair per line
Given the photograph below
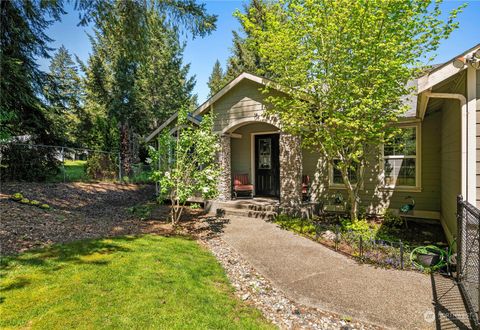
126, 67
64, 97
22, 41
217, 79
245, 56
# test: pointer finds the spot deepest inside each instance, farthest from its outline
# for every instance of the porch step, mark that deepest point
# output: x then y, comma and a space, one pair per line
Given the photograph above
247, 205
244, 212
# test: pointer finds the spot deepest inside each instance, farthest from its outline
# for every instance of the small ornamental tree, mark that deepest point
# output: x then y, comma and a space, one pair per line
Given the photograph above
346, 66
187, 164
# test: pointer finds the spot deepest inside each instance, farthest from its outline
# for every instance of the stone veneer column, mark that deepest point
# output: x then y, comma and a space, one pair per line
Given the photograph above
224, 160
291, 170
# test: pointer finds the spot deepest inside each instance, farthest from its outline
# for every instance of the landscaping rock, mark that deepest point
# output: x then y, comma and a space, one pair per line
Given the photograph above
252, 287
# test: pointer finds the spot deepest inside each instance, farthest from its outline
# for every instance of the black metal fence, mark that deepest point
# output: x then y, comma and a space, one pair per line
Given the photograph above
468, 260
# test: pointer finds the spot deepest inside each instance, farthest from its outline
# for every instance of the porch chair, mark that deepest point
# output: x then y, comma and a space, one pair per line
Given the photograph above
305, 187
242, 184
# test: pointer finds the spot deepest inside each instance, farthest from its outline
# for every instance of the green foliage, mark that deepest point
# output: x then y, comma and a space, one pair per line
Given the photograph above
45, 206
135, 43
17, 197
101, 166
359, 227
27, 163
187, 162
23, 40
392, 220
216, 80
34, 202
331, 58
299, 225
143, 211
25, 201
195, 206
115, 283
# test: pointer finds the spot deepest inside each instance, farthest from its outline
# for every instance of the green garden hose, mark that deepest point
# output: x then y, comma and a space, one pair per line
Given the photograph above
443, 257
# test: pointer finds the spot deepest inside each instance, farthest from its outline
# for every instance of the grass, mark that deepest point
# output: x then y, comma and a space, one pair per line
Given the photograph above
74, 171
149, 282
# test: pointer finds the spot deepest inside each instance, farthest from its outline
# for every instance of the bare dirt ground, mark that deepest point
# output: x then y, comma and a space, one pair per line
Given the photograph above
78, 211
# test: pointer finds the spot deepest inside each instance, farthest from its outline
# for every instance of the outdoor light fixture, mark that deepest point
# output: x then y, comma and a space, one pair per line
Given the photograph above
459, 62
473, 60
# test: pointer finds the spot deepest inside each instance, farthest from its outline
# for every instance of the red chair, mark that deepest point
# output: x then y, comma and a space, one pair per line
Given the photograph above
305, 186
242, 184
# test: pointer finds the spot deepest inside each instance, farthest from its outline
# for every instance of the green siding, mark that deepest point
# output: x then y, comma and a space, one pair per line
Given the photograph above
451, 163
241, 147
373, 197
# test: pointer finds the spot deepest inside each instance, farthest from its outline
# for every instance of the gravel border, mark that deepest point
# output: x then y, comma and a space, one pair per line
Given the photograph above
255, 289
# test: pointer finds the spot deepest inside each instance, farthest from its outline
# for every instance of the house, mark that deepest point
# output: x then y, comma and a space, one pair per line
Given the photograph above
439, 162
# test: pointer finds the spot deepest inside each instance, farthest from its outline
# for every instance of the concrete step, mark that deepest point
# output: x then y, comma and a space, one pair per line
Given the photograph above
247, 205
242, 212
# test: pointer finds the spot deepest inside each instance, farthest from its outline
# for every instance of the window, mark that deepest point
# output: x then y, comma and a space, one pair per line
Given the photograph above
401, 159
336, 178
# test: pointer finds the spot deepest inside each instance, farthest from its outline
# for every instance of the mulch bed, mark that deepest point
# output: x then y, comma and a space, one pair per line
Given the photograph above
78, 211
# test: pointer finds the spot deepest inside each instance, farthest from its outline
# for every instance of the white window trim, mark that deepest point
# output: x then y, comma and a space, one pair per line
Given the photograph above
418, 162
331, 184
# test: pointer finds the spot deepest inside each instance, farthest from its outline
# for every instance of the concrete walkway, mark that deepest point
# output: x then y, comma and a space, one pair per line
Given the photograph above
315, 276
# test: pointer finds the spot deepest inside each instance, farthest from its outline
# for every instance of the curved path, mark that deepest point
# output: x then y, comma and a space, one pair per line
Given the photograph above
316, 276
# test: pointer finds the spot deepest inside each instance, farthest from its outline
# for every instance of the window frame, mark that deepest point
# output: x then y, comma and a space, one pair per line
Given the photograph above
333, 185
418, 160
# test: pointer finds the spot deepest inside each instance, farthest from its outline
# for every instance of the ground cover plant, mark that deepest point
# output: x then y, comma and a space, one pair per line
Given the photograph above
124, 282
382, 241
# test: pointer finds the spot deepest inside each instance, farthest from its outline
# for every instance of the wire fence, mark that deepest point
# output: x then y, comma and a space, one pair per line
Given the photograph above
468, 260
48, 163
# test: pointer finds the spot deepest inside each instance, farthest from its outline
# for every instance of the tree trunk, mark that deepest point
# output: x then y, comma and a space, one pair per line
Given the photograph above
126, 160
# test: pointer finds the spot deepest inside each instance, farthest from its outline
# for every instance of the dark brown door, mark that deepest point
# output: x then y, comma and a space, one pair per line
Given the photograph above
267, 165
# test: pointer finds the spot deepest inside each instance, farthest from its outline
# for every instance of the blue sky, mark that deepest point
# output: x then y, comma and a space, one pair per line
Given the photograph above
202, 53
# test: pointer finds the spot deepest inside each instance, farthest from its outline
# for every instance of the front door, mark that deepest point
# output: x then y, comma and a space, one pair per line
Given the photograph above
267, 165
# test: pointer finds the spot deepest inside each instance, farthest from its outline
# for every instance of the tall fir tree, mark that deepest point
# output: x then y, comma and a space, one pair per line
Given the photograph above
217, 78
64, 92
22, 41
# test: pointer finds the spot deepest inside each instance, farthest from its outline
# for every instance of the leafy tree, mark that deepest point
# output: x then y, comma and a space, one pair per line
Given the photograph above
216, 80
187, 163
64, 92
346, 65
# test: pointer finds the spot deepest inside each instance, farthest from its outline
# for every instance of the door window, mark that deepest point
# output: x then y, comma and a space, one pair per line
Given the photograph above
264, 154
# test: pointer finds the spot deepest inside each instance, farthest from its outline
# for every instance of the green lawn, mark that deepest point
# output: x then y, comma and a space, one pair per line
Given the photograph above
150, 282
74, 171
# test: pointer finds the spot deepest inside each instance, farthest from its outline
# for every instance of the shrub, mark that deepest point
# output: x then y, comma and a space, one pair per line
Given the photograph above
360, 227
45, 206
195, 206
101, 166
392, 220
17, 197
34, 203
28, 163
25, 201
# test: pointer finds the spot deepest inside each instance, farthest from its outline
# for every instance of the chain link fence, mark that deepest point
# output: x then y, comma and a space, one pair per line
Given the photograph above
468, 256
47, 163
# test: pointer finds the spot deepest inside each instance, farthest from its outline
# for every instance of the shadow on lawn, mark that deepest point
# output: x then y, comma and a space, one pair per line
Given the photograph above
55, 257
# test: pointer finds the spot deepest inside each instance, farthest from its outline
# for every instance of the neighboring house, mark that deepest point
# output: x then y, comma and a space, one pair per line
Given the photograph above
438, 163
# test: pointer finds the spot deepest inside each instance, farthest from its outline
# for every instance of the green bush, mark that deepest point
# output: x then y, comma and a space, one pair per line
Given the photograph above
28, 163
17, 197
101, 167
25, 201
360, 227
45, 206
34, 203
392, 220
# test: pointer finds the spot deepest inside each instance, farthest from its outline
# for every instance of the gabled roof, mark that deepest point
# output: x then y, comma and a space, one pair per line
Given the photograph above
194, 119
206, 105
243, 76
441, 72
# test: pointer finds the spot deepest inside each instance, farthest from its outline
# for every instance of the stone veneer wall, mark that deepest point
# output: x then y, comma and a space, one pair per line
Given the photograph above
290, 173
224, 160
